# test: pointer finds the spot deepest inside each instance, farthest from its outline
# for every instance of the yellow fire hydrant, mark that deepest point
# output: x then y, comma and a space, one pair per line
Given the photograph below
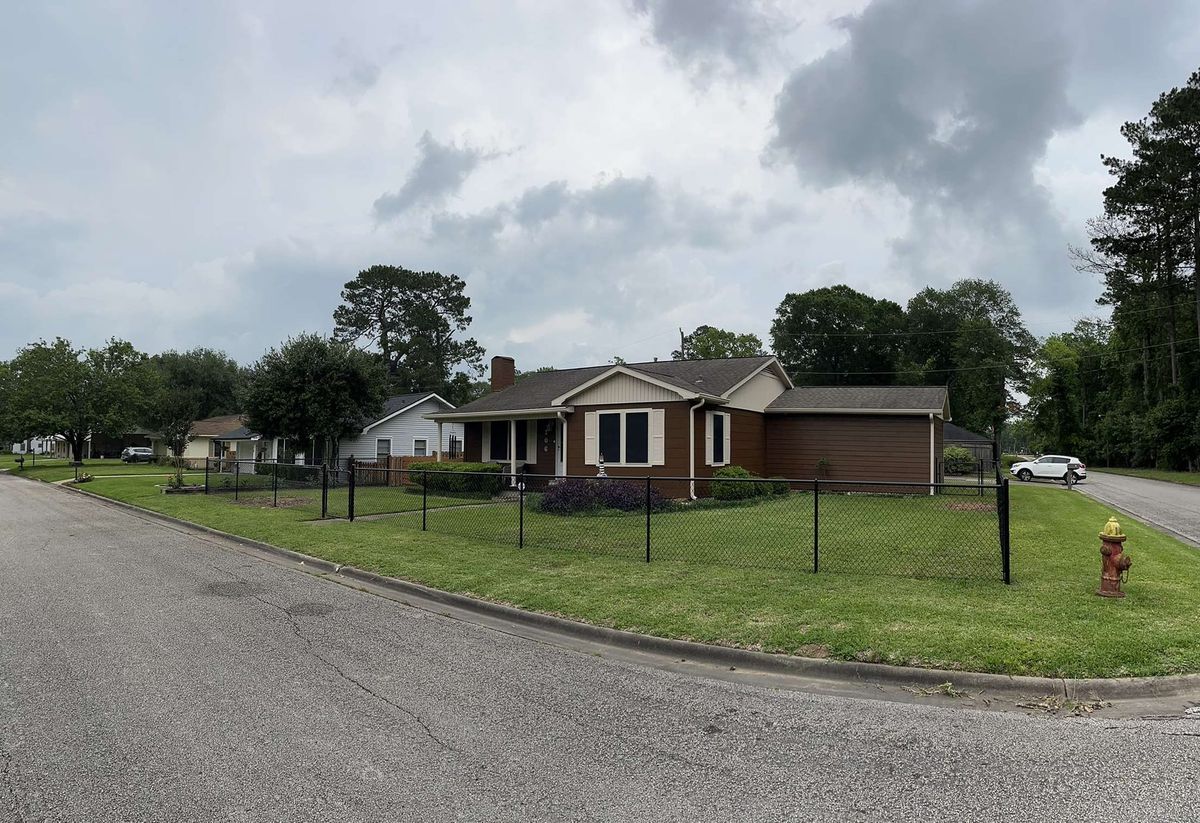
1114, 563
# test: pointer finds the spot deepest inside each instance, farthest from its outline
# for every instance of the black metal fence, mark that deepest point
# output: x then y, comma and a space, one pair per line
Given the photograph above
868, 527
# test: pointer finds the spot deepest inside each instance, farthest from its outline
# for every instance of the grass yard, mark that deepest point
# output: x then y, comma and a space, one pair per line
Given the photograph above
52, 471
1048, 622
1186, 478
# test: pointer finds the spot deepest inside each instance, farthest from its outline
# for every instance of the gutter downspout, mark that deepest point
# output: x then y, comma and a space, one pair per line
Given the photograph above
692, 449
563, 445
932, 459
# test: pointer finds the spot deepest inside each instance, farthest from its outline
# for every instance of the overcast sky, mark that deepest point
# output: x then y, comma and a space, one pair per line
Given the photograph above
600, 173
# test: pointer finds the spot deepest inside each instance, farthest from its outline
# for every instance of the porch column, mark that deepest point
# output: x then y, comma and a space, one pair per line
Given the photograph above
512, 450
439, 445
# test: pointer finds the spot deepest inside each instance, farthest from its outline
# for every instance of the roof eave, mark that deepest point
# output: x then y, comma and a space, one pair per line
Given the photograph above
547, 411
938, 412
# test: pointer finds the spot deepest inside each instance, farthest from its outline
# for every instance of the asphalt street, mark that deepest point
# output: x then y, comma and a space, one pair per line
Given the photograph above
150, 674
1172, 507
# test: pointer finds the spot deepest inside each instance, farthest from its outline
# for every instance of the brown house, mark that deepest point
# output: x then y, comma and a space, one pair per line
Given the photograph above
684, 418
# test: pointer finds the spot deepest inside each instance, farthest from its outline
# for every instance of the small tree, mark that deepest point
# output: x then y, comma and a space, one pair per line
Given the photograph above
313, 388
172, 413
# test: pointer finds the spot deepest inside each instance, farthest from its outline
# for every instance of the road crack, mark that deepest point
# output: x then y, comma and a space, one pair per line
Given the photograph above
338, 670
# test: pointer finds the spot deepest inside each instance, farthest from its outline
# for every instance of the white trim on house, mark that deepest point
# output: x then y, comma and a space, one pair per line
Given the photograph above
683, 394
775, 365
503, 414
430, 396
709, 443
655, 437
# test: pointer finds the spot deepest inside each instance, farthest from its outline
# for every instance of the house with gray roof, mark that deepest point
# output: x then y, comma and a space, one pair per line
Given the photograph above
686, 418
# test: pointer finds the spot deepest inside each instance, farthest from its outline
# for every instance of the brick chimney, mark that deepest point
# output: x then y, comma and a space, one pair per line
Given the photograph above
504, 372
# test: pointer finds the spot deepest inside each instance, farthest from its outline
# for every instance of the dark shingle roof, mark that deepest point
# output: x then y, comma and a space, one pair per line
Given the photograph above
216, 426
816, 398
957, 434
538, 390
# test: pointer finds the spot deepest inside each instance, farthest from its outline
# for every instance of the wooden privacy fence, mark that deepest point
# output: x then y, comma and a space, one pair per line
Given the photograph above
394, 470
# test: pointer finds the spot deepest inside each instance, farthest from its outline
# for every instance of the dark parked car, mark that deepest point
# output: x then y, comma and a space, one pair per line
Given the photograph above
137, 454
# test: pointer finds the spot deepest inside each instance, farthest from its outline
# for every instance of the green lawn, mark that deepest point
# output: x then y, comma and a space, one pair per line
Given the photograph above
1186, 478
54, 470
1048, 622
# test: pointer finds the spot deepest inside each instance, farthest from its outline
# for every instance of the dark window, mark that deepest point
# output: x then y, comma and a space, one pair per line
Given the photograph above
718, 438
499, 449
383, 448
522, 438
610, 438
637, 437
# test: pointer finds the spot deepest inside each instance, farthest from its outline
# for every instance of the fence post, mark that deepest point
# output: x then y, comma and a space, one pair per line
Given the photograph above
1004, 534
237, 478
647, 519
275, 484
816, 524
521, 515
424, 498
206, 475
324, 490
350, 490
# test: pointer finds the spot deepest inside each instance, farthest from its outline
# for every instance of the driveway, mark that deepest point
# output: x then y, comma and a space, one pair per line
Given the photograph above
1170, 507
150, 674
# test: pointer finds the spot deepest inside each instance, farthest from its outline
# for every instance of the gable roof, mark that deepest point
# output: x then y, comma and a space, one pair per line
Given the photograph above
864, 399
399, 403
957, 434
692, 378
216, 426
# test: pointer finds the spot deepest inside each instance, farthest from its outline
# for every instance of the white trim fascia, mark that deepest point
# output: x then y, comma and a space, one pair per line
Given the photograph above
684, 394
936, 412
779, 372
406, 408
532, 414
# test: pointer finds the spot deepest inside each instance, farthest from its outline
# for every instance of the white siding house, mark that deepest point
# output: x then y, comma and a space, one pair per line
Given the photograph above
402, 430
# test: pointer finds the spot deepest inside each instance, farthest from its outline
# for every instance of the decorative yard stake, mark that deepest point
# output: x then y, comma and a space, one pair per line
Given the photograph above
1114, 563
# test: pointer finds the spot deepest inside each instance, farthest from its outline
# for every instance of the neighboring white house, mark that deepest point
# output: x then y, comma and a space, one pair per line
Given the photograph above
402, 430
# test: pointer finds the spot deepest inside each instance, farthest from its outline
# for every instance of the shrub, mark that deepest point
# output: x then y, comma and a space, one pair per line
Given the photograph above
778, 486
737, 489
579, 496
292, 472
460, 478
957, 460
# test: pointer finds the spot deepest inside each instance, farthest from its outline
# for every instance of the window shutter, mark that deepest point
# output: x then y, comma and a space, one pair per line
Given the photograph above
590, 442
658, 451
728, 453
708, 439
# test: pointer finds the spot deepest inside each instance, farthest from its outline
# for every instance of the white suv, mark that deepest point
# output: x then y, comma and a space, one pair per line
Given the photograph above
1051, 467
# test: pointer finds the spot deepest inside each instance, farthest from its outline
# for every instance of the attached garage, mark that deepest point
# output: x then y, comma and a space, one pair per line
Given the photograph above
857, 433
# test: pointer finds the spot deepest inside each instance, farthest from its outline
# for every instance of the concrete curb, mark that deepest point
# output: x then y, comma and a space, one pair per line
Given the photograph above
1015, 686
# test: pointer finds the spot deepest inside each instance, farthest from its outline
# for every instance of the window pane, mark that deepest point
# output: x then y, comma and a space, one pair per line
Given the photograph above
637, 437
522, 439
382, 449
419, 448
718, 438
499, 435
610, 438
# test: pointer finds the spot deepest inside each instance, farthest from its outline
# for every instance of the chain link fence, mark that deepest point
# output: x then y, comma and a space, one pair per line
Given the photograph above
950, 530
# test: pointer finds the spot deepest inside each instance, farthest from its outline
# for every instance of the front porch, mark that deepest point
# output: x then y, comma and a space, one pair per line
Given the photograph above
532, 443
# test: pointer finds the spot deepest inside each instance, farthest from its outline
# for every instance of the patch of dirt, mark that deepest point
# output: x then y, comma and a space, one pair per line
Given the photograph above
818, 650
284, 503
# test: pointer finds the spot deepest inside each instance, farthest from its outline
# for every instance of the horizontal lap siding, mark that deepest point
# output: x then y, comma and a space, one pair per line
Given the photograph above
746, 441
858, 447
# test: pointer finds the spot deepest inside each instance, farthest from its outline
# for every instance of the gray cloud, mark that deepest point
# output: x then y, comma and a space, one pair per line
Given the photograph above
441, 170
708, 36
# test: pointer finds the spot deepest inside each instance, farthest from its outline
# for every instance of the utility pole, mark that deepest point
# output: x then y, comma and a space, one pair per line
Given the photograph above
683, 355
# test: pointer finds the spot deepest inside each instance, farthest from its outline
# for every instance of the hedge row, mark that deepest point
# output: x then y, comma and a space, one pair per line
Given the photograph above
741, 488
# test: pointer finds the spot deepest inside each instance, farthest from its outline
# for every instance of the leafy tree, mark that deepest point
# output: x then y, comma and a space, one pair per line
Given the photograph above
836, 335
7, 429
415, 320
58, 389
313, 388
210, 378
711, 343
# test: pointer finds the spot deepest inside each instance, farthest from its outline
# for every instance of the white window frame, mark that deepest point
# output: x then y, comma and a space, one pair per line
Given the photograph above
424, 441
379, 440
649, 436
727, 426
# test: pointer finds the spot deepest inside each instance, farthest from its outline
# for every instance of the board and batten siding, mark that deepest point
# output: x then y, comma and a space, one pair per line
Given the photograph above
857, 447
621, 388
403, 429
